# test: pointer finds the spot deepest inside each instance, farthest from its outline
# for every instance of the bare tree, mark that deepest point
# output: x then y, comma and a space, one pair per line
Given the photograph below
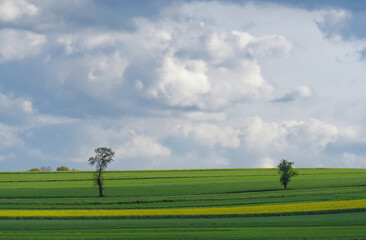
45, 168
286, 170
103, 157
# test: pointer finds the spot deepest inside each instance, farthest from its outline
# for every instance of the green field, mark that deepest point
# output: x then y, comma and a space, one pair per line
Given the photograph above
179, 189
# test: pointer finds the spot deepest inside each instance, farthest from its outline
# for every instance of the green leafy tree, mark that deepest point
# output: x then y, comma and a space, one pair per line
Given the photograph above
287, 171
63, 168
103, 157
34, 170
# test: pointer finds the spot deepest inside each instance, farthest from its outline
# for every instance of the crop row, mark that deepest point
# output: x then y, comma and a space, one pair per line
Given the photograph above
185, 202
284, 208
34, 176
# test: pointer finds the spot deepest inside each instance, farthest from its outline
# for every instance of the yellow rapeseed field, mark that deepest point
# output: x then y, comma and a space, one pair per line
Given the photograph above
285, 208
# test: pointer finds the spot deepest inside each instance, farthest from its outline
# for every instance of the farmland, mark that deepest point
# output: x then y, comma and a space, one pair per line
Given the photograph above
189, 204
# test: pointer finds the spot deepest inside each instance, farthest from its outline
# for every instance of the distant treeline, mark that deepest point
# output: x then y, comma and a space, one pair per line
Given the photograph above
48, 168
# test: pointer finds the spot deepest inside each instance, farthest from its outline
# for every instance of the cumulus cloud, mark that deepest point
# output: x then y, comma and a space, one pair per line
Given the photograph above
12, 10
105, 69
352, 160
20, 111
9, 137
142, 147
267, 46
91, 40
221, 75
205, 68
19, 44
219, 47
194, 84
98, 75
333, 24
267, 162
7, 156
263, 136
182, 83
362, 54
312, 133
212, 135
45, 119
299, 92
342, 24
218, 73
214, 160
15, 110
205, 116
285, 138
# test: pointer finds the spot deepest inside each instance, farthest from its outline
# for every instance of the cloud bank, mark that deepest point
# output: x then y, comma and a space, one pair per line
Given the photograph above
181, 85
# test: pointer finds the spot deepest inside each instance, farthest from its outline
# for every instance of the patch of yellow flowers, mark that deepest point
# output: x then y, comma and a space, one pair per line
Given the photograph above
285, 208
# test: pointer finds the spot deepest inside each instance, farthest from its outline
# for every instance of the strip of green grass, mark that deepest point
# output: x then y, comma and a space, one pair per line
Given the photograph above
217, 173
180, 189
328, 232
338, 219
334, 226
185, 194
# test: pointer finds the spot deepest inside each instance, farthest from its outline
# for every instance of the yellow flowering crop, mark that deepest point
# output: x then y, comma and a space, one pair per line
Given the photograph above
285, 208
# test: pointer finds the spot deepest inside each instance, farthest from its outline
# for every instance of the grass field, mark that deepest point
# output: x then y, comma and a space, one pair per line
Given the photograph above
207, 204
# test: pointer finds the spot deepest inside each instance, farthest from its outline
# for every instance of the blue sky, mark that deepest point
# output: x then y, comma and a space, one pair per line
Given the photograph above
182, 84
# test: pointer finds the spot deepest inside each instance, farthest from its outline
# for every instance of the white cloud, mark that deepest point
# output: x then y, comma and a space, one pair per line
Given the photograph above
205, 116
333, 23
218, 46
204, 66
241, 82
20, 111
194, 84
153, 37
103, 39
9, 137
266, 46
182, 83
14, 110
243, 38
212, 135
98, 75
68, 42
19, 44
107, 69
302, 140
218, 73
352, 160
263, 136
300, 92
312, 132
214, 160
8, 156
142, 147
53, 120
185, 64
91, 40
267, 162
12, 10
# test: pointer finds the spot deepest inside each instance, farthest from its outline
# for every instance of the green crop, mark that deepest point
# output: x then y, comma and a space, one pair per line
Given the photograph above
183, 189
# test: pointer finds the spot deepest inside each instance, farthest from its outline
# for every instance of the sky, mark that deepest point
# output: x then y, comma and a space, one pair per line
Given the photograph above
182, 84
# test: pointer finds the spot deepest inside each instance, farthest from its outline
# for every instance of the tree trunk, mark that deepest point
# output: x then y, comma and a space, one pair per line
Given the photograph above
285, 185
100, 184
100, 190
